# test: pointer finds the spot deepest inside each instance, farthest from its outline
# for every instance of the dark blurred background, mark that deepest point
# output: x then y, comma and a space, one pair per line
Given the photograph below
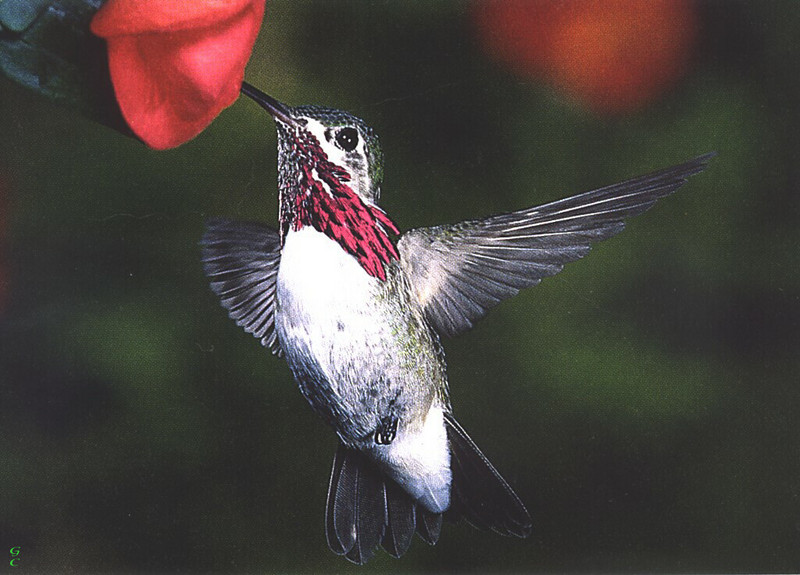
643, 403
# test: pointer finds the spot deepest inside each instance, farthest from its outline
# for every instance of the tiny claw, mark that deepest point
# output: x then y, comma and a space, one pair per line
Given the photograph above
387, 430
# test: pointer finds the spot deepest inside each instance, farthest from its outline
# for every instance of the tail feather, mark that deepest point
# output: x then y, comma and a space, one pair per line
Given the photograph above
340, 539
480, 494
371, 513
429, 525
367, 509
357, 510
401, 520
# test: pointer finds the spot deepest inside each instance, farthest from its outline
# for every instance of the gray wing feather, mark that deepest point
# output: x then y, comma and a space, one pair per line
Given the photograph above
458, 272
241, 259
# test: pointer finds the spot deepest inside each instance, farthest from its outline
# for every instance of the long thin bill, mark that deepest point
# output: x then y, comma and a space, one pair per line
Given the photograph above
276, 109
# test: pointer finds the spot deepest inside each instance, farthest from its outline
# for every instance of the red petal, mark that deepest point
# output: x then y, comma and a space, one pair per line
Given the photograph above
118, 17
170, 86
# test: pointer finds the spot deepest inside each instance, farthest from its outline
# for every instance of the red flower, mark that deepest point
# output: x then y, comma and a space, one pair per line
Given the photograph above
176, 64
614, 55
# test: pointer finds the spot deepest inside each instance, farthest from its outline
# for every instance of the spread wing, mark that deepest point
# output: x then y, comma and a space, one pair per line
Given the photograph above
241, 260
458, 272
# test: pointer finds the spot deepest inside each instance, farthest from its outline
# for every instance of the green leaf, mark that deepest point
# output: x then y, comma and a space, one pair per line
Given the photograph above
47, 46
17, 15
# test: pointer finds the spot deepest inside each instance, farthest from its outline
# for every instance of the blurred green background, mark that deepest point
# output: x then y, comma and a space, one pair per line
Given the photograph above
643, 403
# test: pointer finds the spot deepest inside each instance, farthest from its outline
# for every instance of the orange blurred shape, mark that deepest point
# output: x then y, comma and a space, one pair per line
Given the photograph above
615, 56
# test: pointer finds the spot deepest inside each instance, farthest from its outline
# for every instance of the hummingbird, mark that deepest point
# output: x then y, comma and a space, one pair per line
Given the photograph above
358, 310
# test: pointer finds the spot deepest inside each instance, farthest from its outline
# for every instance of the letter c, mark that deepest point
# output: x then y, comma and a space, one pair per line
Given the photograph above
13, 561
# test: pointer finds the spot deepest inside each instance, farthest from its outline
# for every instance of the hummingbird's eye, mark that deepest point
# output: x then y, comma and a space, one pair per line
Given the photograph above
347, 139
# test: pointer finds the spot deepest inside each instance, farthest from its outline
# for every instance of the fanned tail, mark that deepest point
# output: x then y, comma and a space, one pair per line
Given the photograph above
366, 508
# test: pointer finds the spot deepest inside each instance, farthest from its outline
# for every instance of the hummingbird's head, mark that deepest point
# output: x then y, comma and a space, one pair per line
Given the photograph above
346, 141
330, 170
318, 138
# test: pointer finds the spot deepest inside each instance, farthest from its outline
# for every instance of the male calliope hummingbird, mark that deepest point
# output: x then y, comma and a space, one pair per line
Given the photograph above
358, 316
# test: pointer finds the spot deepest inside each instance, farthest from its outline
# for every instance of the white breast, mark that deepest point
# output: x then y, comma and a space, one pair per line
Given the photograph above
327, 309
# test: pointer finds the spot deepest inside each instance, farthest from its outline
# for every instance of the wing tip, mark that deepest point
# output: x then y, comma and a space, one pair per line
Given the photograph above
697, 164
484, 499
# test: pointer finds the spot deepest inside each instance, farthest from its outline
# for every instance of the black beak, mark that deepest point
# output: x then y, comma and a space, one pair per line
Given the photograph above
276, 109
